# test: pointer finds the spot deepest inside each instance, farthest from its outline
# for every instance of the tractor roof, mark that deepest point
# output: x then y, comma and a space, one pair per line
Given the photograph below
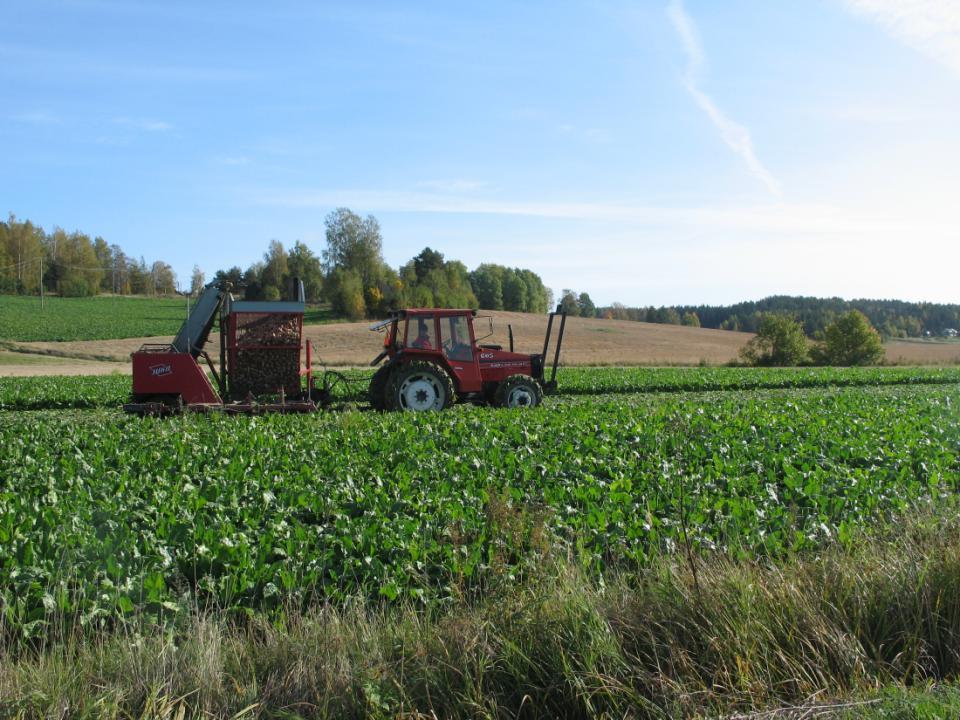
441, 312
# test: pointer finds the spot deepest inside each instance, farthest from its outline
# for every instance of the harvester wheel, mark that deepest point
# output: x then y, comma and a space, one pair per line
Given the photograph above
377, 392
518, 391
419, 385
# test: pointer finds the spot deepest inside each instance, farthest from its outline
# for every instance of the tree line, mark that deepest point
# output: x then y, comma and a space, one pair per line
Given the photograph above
73, 264
892, 318
351, 274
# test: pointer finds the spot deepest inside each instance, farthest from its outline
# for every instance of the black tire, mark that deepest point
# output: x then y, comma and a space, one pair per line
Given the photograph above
377, 392
518, 391
419, 385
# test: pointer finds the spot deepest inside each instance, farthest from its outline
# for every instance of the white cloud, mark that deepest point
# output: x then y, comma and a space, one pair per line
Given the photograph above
736, 136
235, 160
784, 218
456, 185
931, 27
146, 124
37, 118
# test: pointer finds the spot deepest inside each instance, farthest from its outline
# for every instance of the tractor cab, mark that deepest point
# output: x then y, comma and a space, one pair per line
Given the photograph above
433, 359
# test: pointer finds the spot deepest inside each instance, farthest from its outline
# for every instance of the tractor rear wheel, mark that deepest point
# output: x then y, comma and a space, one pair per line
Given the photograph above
377, 392
418, 386
518, 391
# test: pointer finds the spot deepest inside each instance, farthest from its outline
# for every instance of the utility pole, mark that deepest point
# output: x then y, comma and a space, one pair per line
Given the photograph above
41, 280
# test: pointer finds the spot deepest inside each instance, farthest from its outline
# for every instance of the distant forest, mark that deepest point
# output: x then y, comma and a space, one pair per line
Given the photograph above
892, 318
73, 264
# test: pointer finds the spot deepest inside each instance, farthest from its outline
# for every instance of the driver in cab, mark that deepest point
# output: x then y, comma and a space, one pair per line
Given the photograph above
423, 337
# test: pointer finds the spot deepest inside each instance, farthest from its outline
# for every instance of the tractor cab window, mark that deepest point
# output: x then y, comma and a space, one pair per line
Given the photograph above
455, 334
421, 333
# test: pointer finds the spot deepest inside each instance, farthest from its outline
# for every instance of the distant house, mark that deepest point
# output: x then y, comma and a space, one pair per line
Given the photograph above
949, 332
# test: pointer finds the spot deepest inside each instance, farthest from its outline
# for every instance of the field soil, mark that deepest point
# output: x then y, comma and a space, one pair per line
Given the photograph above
923, 352
587, 341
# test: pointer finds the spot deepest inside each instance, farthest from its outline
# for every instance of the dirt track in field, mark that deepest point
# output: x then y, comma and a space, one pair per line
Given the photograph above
587, 342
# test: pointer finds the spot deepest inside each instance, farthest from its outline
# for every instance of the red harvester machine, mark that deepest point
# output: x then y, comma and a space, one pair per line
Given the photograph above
259, 368
434, 359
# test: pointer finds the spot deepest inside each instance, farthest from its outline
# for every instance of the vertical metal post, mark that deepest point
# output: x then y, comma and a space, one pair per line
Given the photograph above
556, 355
223, 348
41, 280
546, 338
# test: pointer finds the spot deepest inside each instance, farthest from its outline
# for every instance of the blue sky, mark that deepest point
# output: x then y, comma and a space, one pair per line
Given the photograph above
650, 153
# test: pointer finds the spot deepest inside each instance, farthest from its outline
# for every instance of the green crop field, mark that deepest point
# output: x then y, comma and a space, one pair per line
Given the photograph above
101, 318
103, 515
665, 540
96, 318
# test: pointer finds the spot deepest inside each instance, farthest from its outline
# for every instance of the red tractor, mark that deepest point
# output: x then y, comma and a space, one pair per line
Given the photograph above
434, 359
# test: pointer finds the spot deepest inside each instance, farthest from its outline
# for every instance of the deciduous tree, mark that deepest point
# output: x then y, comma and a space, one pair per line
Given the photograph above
779, 341
197, 280
850, 340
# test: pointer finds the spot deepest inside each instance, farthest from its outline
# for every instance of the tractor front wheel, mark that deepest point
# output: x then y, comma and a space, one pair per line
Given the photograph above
377, 392
518, 391
418, 386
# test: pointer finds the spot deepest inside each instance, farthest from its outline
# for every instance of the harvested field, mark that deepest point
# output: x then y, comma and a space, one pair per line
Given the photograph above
923, 352
588, 341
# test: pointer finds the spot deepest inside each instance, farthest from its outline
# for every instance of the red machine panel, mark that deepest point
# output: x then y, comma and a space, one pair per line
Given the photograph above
165, 372
498, 365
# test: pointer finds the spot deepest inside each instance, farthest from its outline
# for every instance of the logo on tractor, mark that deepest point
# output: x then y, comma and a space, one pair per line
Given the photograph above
160, 370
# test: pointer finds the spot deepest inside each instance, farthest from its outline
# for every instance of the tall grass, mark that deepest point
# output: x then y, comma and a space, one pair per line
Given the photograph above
720, 636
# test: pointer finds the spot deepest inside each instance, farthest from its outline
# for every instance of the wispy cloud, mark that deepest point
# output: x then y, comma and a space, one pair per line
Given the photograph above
15, 57
235, 160
736, 136
37, 118
930, 26
772, 218
146, 124
589, 134
456, 185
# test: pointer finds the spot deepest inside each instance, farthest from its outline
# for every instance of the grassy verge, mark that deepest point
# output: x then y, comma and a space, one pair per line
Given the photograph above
16, 358
718, 637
